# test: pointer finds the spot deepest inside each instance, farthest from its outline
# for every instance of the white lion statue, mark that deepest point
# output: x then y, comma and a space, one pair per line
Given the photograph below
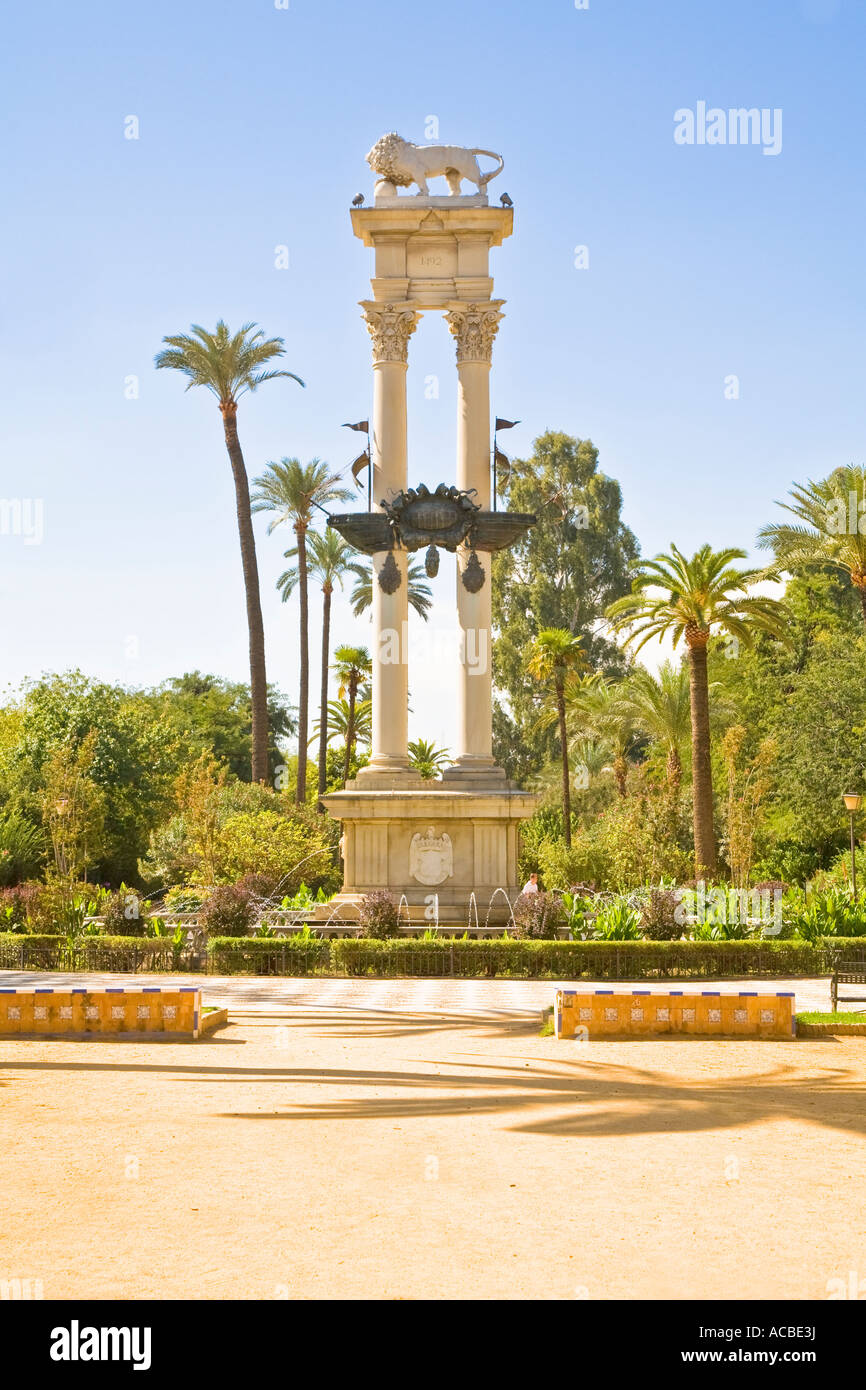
397, 161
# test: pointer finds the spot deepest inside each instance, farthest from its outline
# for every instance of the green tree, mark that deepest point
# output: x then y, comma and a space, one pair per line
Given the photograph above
563, 574
214, 715
555, 653
660, 708
353, 668
292, 490
605, 714
73, 809
330, 559
419, 594
690, 599
342, 719
831, 530
137, 754
228, 365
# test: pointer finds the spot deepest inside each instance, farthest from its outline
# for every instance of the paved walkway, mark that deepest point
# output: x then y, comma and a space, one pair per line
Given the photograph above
483, 998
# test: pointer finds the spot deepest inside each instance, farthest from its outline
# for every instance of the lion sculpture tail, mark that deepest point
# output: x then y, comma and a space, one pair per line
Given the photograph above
494, 173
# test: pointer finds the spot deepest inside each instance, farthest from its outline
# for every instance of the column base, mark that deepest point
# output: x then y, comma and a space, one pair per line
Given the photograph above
385, 773
470, 772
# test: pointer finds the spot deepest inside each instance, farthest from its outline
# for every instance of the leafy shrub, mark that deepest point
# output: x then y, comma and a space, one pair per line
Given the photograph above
62, 907
617, 921
379, 915
228, 911
186, 897
538, 916
288, 849
834, 913
658, 915
304, 898
559, 866
124, 912
22, 848
19, 905
579, 914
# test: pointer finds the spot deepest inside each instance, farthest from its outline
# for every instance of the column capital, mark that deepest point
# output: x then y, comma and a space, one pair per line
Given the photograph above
475, 326
390, 326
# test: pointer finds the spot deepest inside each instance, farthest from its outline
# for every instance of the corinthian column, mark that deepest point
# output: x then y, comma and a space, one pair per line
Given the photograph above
390, 327
474, 326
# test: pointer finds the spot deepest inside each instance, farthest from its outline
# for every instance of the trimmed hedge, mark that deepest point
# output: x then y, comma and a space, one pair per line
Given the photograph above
31, 951
573, 960
446, 957
232, 955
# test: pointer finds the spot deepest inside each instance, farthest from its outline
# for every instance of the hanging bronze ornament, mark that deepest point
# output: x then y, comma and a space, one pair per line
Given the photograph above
431, 562
390, 578
473, 575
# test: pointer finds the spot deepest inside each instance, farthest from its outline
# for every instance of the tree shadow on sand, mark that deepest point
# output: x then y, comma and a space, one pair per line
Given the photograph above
588, 1098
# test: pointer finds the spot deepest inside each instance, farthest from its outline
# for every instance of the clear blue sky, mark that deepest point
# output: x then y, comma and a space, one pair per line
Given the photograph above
704, 262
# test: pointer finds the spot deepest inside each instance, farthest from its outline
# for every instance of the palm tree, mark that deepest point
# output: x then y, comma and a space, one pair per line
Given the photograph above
340, 718
353, 668
330, 558
419, 594
228, 365
291, 489
692, 599
555, 653
660, 707
427, 760
605, 715
831, 532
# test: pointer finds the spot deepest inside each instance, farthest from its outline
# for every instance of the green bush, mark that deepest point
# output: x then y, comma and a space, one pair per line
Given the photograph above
228, 911
379, 915
573, 960
659, 915
19, 905
269, 956
538, 916
828, 914
53, 951
289, 849
185, 897
561, 868
22, 848
617, 921
123, 912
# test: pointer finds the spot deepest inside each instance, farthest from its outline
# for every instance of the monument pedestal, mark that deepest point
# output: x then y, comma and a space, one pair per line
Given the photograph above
444, 839
449, 838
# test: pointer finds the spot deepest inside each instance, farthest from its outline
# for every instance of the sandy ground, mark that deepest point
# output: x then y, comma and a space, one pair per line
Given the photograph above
347, 1152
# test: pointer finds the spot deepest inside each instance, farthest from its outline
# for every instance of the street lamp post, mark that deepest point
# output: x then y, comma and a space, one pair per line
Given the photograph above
853, 802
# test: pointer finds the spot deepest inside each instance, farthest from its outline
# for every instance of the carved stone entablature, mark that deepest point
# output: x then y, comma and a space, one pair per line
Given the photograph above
431, 858
475, 326
390, 326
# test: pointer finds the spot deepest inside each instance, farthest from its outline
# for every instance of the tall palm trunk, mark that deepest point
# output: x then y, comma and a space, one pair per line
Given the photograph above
620, 774
702, 775
350, 727
304, 693
566, 781
861, 590
258, 675
323, 693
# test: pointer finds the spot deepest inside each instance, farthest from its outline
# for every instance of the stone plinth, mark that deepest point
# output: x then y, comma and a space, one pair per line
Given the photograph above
427, 838
432, 251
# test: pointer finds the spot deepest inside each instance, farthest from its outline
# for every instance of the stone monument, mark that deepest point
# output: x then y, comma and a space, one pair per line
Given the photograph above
458, 834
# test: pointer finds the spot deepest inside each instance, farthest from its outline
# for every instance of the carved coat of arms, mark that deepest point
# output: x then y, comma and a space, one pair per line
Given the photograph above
431, 857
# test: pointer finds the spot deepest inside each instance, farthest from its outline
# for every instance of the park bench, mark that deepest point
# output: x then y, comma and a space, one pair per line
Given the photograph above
847, 972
